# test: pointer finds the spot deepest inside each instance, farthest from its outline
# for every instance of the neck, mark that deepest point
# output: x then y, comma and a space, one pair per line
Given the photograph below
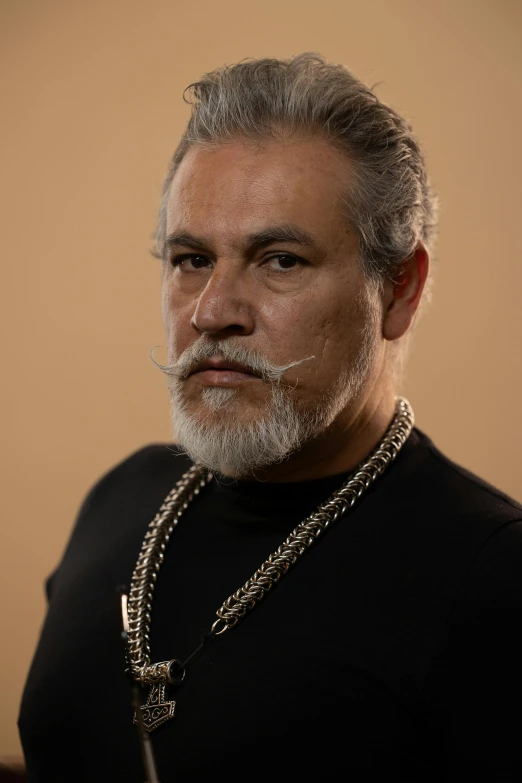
341, 447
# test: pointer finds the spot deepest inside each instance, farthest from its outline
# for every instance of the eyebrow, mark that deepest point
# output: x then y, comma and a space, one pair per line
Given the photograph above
285, 232
185, 240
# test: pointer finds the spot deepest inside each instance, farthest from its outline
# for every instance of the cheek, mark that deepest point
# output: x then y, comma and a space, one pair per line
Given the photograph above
165, 308
176, 324
305, 327
289, 329
335, 337
168, 314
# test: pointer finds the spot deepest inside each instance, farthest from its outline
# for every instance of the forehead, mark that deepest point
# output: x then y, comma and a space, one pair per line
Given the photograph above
238, 187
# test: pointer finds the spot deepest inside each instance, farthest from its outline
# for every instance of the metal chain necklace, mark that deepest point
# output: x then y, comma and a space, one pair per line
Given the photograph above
158, 675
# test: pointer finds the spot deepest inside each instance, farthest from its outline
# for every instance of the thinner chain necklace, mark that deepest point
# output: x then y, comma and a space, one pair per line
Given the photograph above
157, 675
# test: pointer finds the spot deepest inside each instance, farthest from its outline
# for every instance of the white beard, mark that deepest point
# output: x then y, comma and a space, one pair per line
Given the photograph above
216, 438
229, 448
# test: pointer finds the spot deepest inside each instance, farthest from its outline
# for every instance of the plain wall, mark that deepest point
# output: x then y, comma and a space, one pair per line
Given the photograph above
91, 112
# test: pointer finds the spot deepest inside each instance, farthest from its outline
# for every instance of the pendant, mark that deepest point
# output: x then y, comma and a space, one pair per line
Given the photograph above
156, 710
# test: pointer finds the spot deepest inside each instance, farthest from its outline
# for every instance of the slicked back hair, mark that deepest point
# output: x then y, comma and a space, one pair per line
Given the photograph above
391, 205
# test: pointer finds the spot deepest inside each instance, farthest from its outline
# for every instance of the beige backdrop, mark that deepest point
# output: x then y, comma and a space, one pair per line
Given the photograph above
92, 109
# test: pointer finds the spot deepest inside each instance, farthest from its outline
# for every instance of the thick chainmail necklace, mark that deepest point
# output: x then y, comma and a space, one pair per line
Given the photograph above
158, 675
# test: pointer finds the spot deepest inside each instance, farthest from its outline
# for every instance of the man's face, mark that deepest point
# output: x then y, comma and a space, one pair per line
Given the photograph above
260, 256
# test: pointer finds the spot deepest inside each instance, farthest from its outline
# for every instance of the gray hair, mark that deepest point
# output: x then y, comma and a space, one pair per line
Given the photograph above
391, 205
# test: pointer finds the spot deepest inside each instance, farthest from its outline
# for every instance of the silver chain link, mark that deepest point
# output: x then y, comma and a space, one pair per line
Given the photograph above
270, 572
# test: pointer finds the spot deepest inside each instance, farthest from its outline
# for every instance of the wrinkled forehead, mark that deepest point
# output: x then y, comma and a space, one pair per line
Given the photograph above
238, 187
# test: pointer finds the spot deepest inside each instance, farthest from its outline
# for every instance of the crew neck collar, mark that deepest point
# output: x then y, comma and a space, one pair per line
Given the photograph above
254, 488
309, 489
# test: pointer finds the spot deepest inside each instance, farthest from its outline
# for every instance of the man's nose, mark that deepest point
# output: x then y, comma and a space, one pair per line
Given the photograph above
225, 304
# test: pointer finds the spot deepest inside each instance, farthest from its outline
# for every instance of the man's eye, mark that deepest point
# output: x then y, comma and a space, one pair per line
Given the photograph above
281, 262
190, 263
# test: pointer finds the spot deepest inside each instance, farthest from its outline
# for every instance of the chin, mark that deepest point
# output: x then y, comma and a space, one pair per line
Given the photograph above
234, 436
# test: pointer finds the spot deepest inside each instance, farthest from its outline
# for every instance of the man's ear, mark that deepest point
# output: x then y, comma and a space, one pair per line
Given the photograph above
402, 297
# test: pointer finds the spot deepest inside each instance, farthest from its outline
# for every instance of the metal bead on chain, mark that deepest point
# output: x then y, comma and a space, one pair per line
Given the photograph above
270, 572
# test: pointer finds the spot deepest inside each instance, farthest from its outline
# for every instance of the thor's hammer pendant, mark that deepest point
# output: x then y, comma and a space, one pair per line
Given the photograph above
156, 710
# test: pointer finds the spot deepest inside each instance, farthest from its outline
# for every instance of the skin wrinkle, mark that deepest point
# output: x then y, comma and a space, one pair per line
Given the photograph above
327, 308
390, 203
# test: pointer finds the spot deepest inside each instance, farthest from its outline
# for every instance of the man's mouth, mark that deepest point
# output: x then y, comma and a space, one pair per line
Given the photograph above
217, 371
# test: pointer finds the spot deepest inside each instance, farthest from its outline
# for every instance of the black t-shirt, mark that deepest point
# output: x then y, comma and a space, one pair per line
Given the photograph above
391, 651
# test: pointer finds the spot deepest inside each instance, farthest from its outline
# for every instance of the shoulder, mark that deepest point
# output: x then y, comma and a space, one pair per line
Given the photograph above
131, 490
449, 487
139, 472
445, 515
116, 511
142, 466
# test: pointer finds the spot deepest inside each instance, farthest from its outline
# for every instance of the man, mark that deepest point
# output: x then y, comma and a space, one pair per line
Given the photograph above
375, 640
